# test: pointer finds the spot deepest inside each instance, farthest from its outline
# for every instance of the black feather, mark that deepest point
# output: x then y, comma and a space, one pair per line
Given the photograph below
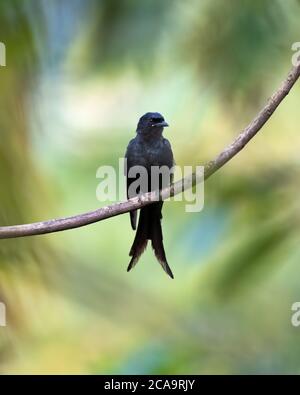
149, 228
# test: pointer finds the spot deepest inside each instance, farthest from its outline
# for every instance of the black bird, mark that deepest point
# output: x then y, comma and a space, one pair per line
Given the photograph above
149, 148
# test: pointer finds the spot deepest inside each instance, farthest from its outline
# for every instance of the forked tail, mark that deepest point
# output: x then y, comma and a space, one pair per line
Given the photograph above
149, 228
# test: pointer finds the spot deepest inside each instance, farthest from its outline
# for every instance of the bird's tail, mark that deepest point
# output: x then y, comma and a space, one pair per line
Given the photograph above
149, 228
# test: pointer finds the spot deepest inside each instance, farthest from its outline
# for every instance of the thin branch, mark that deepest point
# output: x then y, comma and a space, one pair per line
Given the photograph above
56, 225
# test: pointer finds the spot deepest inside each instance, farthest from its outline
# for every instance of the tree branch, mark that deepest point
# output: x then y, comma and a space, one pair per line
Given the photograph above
56, 225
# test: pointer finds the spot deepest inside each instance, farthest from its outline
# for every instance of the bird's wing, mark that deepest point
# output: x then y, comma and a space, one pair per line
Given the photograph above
128, 164
169, 158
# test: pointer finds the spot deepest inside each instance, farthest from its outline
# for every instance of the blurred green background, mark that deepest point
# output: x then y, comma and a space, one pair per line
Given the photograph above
79, 74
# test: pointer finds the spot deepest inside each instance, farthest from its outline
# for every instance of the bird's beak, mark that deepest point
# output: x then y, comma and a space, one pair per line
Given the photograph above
163, 124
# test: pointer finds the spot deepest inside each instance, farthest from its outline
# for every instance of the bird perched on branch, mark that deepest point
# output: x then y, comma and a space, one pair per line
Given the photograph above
148, 151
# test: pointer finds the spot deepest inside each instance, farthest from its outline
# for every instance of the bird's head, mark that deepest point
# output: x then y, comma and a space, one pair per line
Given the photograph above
152, 123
